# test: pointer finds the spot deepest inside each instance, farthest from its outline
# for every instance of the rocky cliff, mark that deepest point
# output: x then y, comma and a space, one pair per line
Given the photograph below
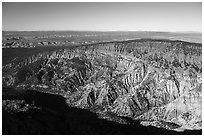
157, 82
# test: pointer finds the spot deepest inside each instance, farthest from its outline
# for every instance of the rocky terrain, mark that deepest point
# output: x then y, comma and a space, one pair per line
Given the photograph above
153, 85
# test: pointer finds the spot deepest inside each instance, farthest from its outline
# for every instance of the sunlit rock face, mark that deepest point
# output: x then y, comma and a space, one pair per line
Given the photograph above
156, 82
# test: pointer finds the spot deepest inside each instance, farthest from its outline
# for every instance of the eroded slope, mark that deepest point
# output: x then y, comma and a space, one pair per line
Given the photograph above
154, 81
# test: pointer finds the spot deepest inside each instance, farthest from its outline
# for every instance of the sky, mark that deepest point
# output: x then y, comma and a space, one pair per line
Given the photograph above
157, 16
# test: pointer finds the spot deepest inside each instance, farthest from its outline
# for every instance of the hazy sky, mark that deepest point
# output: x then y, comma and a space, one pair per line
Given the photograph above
102, 16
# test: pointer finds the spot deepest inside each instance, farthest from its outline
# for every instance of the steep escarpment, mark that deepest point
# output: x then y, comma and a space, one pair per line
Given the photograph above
154, 81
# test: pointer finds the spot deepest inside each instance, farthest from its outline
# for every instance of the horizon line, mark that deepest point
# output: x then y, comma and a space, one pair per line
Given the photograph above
108, 31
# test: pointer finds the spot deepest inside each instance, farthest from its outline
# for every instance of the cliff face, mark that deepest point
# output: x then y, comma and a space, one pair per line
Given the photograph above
156, 82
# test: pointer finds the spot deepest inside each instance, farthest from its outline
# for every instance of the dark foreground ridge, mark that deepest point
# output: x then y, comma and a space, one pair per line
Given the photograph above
53, 116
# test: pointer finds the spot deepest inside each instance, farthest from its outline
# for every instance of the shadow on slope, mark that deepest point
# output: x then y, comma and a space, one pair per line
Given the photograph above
55, 117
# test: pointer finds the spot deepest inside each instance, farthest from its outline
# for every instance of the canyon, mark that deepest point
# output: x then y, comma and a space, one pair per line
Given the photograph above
157, 83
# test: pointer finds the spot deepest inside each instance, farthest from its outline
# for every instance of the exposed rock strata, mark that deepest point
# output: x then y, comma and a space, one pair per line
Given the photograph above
149, 80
